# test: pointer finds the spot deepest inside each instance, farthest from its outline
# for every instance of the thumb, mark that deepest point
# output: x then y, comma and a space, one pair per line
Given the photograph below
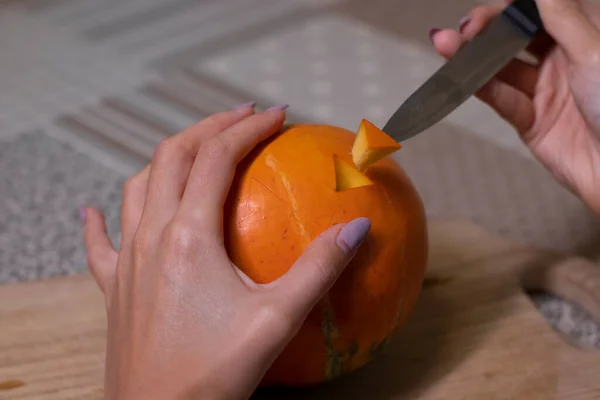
567, 22
101, 256
317, 269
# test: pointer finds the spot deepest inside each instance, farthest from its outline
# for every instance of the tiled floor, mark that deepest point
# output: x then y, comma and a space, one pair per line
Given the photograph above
88, 87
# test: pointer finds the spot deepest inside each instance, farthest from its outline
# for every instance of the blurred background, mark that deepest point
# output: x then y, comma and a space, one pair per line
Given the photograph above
89, 87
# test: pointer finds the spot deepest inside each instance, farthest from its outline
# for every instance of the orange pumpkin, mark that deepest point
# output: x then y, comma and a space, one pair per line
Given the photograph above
283, 196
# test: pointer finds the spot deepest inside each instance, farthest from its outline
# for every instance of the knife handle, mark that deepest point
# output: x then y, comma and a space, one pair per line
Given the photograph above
525, 14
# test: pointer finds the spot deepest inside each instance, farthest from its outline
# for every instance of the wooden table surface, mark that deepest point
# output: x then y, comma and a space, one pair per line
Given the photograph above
473, 335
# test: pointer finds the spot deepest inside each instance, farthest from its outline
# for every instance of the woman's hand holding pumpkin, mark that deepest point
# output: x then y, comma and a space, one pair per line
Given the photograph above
183, 320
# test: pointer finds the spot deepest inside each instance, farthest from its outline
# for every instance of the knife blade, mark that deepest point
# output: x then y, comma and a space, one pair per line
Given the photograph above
467, 71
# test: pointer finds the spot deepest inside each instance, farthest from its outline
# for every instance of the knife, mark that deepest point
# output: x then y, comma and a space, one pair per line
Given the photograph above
471, 67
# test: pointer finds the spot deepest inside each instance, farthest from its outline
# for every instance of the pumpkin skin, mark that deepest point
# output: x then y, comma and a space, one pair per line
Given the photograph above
282, 197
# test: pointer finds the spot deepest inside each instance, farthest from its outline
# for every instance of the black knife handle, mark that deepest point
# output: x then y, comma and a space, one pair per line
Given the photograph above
525, 14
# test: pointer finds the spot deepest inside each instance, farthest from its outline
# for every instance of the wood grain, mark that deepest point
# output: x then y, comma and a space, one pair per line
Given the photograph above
473, 335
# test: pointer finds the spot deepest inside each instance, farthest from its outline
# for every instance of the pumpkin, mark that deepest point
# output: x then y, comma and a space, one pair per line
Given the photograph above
289, 190
371, 145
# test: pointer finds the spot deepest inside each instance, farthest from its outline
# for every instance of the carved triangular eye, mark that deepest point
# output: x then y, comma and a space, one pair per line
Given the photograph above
347, 176
371, 145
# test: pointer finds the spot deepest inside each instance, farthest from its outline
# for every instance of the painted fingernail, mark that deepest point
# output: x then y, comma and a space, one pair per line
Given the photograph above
249, 104
353, 234
433, 32
278, 107
82, 214
462, 24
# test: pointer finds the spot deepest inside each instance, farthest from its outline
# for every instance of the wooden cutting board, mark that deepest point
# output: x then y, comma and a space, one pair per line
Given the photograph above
473, 335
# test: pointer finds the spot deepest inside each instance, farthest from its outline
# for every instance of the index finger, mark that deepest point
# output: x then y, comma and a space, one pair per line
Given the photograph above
215, 166
135, 198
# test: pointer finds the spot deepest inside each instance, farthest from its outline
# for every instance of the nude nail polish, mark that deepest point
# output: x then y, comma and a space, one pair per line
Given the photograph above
249, 104
278, 107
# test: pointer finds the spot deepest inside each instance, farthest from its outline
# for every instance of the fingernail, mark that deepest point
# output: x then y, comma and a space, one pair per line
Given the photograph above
278, 107
432, 33
82, 214
353, 234
249, 104
462, 24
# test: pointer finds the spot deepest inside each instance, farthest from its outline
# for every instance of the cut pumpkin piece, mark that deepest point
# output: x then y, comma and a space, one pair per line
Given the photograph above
371, 145
348, 177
